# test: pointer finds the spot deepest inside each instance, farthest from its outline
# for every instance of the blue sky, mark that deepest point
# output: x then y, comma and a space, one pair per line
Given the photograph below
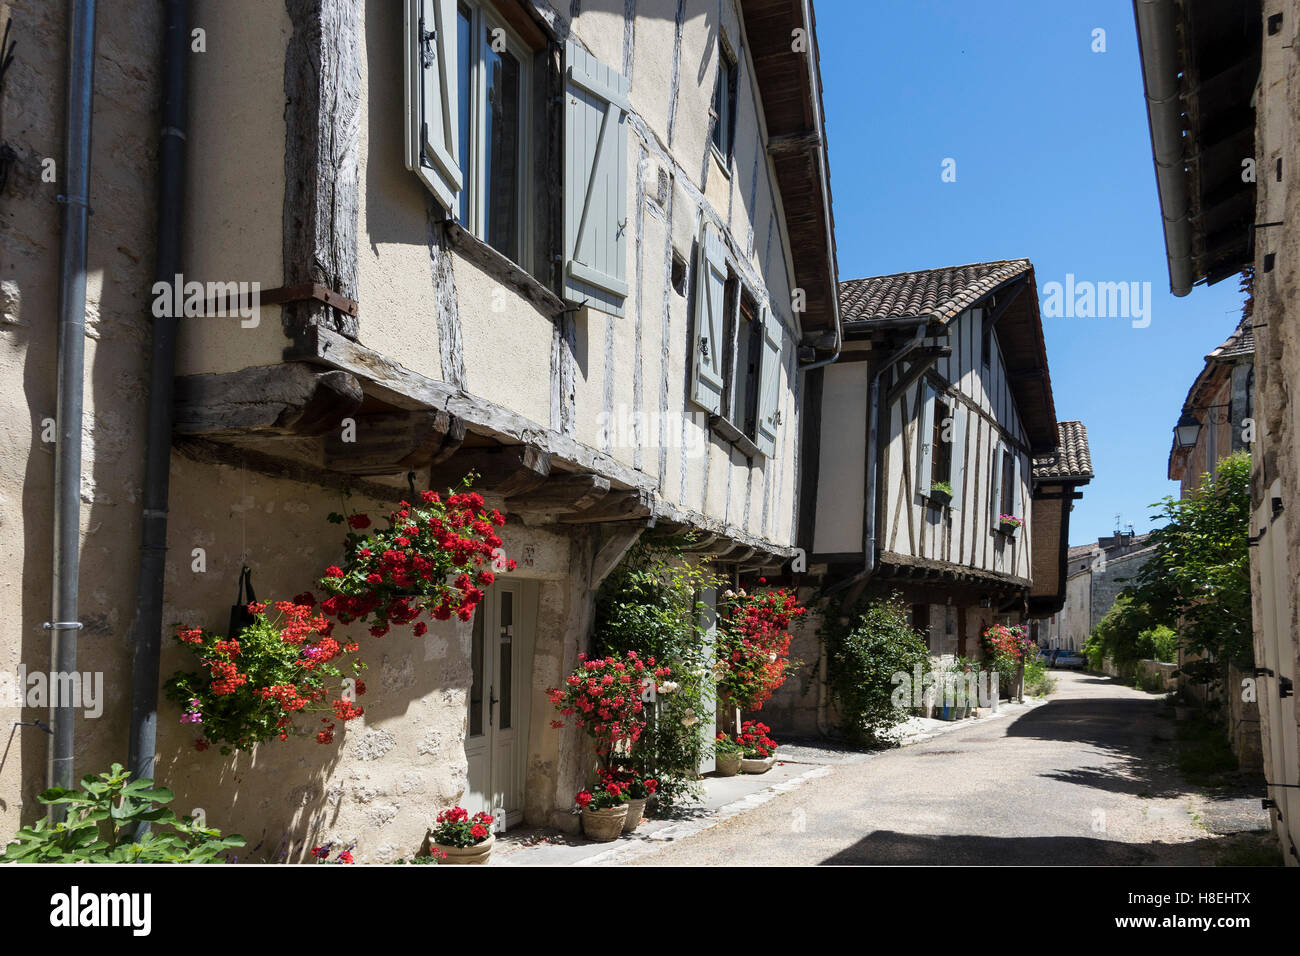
1053, 163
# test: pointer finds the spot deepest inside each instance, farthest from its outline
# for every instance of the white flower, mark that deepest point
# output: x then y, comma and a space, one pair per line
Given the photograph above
690, 721
729, 593
668, 687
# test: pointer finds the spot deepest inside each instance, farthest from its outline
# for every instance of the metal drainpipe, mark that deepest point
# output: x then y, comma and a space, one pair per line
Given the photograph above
147, 638
75, 215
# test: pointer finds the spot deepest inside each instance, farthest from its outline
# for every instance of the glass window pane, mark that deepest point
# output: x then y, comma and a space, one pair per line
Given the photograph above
464, 70
476, 682
506, 671
501, 137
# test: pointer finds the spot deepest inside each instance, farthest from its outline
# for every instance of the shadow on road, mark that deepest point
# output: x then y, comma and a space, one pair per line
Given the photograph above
890, 848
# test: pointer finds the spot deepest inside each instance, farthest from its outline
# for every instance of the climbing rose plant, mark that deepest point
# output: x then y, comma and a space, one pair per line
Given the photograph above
603, 696
753, 644
254, 686
435, 557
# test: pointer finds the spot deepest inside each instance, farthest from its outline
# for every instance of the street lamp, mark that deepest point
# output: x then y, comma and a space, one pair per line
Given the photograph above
1187, 430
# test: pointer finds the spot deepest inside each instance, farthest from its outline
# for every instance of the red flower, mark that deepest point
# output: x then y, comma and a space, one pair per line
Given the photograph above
333, 571
583, 798
359, 521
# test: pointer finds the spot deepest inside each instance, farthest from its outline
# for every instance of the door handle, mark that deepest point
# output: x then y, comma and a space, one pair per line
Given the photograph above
492, 705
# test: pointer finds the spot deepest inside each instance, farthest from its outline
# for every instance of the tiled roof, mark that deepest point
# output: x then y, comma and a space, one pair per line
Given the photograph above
1072, 459
943, 293
1240, 342
1080, 551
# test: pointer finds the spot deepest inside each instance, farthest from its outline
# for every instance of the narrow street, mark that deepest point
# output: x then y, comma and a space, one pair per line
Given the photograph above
1086, 778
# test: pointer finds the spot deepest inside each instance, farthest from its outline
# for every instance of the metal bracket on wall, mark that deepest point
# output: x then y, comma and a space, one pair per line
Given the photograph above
283, 295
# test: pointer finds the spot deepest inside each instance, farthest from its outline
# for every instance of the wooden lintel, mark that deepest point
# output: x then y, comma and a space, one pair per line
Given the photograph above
560, 494
505, 471
389, 442
294, 399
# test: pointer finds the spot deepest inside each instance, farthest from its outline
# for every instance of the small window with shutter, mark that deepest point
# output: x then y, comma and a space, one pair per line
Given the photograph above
467, 102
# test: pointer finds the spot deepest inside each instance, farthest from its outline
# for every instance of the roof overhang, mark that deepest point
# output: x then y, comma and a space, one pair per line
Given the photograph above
789, 83
1200, 68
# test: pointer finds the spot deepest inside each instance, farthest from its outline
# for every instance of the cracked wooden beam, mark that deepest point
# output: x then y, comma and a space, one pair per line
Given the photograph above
294, 399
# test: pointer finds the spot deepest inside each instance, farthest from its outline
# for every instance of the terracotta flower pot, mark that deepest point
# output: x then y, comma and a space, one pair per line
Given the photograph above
728, 765
635, 812
757, 764
604, 825
466, 855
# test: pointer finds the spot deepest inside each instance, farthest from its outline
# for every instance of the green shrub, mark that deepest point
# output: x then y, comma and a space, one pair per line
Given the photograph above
863, 658
1038, 682
651, 603
101, 821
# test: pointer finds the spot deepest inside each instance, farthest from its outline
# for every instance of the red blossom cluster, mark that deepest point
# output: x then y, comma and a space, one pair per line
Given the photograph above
436, 557
251, 687
1002, 641
754, 644
604, 696
754, 738
455, 827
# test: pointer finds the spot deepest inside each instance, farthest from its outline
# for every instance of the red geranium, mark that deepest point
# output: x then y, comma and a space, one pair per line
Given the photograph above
603, 696
753, 644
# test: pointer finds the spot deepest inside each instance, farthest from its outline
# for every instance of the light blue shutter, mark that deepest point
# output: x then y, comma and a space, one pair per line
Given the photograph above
595, 181
958, 453
769, 385
925, 454
995, 486
1017, 499
710, 321
432, 100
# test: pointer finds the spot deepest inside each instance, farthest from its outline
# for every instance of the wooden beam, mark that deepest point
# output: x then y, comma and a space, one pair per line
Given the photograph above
293, 399
788, 144
561, 494
621, 506
390, 442
504, 471
323, 123
617, 545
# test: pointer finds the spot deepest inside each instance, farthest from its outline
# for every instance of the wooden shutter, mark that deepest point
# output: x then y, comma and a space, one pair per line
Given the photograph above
769, 384
595, 181
710, 321
995, 486
925, 452
958, 453
432, 100
1017, 500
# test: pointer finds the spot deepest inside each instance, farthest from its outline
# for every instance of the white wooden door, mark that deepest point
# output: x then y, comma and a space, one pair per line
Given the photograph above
496, 739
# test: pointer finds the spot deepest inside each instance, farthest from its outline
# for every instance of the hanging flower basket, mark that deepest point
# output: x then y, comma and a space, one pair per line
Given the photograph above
436, 556
1009, 524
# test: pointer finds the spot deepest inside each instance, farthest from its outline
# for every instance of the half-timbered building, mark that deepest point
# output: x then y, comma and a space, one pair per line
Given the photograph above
580, 249
921, 443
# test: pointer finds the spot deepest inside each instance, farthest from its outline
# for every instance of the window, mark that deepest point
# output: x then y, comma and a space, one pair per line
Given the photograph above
724, 105
749, 355
1008, 502
492, 122
941, 459
738, 344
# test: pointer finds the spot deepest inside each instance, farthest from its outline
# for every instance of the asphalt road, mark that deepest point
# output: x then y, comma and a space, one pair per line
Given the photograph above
1085, 778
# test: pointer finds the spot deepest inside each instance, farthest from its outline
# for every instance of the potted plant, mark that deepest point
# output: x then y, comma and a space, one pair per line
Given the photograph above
639, 788
940, 494
727, 754
759, 752
603, 809
1009, 524
461, 839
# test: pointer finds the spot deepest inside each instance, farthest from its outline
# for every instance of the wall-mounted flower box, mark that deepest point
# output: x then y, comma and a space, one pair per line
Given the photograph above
940, 494
1009, 524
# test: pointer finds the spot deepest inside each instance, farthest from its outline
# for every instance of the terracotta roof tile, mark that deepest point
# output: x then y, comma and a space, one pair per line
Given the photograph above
1072, 458
943, 293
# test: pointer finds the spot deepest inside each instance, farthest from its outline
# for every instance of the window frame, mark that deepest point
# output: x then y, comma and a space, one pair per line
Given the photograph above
944, 410
473, 166
724, 123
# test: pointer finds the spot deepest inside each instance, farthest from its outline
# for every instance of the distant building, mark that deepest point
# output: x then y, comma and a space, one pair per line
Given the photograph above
1095, 576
